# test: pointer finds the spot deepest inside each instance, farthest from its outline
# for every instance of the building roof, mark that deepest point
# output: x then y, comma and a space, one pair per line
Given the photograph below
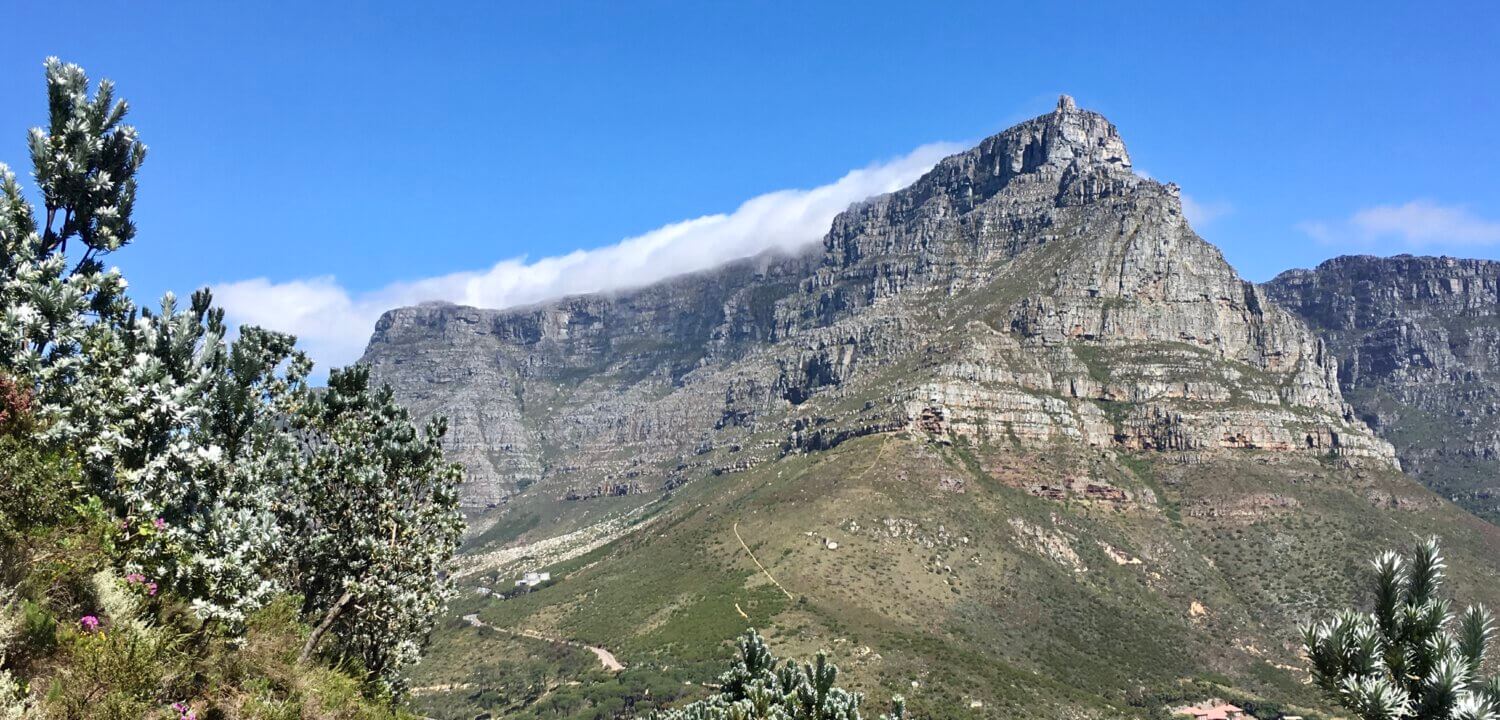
1222, 711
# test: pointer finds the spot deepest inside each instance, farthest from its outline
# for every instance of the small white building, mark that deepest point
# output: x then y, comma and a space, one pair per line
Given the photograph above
533, 579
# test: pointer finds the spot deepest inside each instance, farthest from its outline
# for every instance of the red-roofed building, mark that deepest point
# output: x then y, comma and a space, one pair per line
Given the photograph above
1212, 711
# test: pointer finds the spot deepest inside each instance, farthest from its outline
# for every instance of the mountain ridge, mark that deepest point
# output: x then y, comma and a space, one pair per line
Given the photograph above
1421, 342
1059, 179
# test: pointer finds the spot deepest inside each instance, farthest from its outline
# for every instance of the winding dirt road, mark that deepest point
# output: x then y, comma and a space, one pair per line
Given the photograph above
606, 657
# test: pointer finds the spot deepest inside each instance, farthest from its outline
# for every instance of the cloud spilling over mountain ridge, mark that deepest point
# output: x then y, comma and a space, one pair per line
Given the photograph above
333, 322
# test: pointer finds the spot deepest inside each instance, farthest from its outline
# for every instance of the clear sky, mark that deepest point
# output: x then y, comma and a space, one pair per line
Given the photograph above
316, 164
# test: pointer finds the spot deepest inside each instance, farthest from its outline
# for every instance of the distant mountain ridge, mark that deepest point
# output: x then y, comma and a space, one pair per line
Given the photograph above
1419, 344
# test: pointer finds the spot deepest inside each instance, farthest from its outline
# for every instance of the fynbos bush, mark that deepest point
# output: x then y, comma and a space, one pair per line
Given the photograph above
1411, 657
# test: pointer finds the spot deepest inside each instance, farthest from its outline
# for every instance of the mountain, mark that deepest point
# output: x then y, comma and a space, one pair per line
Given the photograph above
1013, 441
1420, 342
1032, 287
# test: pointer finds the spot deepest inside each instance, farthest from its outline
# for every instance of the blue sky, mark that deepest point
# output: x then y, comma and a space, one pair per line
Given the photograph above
317, 163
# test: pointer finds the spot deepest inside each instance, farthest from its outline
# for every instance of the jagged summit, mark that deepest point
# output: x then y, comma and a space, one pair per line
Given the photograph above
1069, 148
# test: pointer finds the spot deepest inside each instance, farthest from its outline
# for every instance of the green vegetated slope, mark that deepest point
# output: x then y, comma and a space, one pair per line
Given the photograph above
951, 585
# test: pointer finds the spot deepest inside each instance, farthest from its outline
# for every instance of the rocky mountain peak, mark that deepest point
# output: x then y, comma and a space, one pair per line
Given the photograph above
1084, 136
1065, 137
1071, 149
1032, 289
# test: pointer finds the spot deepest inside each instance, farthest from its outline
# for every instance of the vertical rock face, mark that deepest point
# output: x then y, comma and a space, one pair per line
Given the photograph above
528, 392
1031, 290
1420, 343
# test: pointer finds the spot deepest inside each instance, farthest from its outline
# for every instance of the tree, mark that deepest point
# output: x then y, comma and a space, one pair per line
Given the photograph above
208, 450
374, 520
174, 428
1408, 658
85, 165
190, 450
755, 688
51, 317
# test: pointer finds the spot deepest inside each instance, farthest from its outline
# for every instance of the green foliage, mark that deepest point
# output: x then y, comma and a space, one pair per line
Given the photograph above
147, 652
756, 688
85, 164
1408, 658
35, 485
52, 319
112, 673
195, 455
376, 518
149, 473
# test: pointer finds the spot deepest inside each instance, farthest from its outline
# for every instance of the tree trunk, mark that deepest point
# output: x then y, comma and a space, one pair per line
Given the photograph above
317, 633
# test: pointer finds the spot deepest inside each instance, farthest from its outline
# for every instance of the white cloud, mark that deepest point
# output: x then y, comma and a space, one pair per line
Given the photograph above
1200, 214
1415, 225
333, 324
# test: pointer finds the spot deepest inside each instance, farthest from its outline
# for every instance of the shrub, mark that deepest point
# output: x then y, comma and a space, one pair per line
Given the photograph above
375, 519
756, 688
1408, 658
147, 470
15, 407
113, 673
36, 485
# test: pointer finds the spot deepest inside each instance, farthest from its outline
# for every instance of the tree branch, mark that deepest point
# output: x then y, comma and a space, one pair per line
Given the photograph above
84, 259
328, 619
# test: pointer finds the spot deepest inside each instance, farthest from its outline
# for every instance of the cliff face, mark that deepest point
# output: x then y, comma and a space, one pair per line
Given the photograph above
1032, 291
1420, 343
554, 390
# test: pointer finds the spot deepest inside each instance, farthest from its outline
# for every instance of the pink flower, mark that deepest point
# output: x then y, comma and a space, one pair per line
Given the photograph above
135, 578
151, 588
89, 622
160, 524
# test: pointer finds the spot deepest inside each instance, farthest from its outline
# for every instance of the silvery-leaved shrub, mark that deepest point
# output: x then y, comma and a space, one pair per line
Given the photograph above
374, 520
228, 479
1411, 657
756, 688
197, 453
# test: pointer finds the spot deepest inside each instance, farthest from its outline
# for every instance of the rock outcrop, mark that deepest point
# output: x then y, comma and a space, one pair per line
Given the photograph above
1420, 343
1033, 290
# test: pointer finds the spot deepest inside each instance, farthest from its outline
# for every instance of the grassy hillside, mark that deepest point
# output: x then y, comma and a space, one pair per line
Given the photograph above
939, 571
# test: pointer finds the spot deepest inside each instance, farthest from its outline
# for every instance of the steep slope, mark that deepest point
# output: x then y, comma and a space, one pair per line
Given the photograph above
1014, 441
1420, 343
585, 390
